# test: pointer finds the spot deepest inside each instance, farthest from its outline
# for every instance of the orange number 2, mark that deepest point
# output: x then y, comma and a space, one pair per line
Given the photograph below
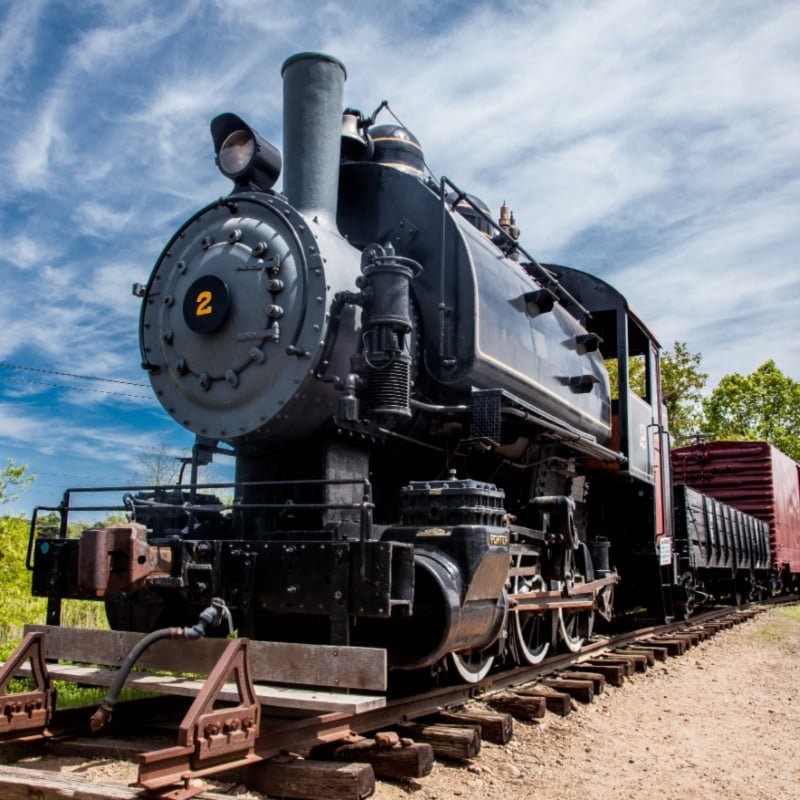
204, 304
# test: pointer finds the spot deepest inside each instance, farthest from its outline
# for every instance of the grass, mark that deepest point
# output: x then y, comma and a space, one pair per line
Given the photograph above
783, 629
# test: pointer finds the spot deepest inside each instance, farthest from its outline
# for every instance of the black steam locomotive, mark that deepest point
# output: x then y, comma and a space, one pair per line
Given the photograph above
429, 455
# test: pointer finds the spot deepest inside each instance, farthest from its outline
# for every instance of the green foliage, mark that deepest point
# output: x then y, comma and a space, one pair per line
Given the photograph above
681, 385
761, 406
12, 481
17, 606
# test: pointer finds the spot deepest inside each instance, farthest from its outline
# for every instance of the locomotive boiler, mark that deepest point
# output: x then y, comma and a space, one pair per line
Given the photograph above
429, 456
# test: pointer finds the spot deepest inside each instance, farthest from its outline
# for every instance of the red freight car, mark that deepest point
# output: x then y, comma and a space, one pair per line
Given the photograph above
756, 478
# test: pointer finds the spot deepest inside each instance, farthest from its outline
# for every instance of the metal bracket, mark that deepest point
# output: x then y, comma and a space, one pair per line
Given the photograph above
209, 740
26, 715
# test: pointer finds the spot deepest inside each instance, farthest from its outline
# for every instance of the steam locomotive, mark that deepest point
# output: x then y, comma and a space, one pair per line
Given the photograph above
429, 455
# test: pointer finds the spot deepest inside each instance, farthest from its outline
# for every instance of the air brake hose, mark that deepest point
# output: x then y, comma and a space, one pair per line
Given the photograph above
212, 616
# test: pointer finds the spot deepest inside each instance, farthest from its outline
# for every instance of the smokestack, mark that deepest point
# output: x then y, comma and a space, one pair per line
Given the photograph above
313, 99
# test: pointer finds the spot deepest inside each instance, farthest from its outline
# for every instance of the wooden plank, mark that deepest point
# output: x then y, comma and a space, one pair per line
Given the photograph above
17, 783
362, 668
308, 779
271, 696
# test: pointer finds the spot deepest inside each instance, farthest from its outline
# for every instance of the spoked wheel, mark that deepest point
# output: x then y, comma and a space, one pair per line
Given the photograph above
575, 626
471, 667
532, 630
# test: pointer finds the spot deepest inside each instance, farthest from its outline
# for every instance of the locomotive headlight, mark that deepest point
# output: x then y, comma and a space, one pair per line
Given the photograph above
236, 153
242, 155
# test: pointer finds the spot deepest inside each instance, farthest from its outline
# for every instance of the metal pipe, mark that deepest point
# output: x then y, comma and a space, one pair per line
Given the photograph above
213, 616
313, 101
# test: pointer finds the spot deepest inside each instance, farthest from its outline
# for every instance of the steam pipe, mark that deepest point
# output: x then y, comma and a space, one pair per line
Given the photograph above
313, 99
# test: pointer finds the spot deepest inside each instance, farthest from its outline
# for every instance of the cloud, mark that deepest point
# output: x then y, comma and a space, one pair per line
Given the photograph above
18, 41
654, 144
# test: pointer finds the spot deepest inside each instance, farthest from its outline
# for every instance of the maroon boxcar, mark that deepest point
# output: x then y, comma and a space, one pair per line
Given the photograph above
756, 478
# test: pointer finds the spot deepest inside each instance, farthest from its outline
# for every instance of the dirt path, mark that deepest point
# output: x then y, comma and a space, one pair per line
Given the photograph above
721, 721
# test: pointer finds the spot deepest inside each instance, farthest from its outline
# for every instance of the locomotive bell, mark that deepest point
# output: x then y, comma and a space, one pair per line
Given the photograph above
355, 144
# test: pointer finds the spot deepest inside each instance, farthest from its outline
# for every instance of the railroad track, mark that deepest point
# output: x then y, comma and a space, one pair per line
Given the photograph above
343, 754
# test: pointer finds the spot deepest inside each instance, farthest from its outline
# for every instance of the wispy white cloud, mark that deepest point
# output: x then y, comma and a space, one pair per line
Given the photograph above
654, 143
18, 42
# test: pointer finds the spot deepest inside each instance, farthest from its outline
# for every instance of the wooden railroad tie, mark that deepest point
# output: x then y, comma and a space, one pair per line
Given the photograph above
308, 779
656, 651
579, 688
638, 662
453, 742
556, 702
23, 783
387, 754
522, 707
675, 647
598, 680
496, 727
613, 673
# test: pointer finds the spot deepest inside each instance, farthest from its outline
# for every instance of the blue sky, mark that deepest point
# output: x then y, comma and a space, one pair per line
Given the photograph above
657, 144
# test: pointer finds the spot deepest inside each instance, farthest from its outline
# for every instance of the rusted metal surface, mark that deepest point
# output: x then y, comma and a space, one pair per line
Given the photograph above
581, 595
119, 559
25, 714
222, 738
755, 478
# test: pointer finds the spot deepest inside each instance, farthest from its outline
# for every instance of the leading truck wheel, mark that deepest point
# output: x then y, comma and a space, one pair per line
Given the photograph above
471, 667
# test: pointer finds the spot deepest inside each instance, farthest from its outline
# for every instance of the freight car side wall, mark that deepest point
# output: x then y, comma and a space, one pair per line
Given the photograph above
754, 477
786, 490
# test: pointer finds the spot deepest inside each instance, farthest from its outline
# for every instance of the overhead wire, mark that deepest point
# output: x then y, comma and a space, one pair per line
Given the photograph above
44, 370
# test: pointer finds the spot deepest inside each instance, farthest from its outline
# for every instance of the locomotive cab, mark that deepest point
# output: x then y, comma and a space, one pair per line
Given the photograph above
634, 512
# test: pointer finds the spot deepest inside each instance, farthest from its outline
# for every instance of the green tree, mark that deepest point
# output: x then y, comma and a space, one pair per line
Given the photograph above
17, 607
681, 385
763, 406
13, 479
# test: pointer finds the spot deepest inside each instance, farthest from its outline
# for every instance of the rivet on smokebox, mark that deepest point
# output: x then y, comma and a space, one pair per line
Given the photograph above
204, 381
232, 377
257, 355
